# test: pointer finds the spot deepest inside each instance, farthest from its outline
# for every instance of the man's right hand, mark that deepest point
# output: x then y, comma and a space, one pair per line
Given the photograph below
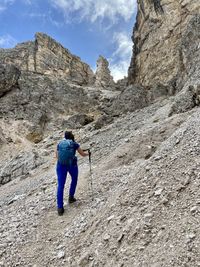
82, 152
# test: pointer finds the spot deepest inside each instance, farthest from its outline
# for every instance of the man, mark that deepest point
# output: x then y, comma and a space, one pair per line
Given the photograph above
67, 162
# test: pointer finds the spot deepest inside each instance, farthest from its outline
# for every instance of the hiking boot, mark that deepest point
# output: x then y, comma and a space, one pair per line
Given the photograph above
72, 199
60, 211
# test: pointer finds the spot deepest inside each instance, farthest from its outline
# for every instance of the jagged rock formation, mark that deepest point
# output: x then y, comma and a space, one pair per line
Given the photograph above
166, 43
46, 56
103, 77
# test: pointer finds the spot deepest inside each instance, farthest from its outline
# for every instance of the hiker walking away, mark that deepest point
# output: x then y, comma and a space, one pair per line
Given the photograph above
67, 162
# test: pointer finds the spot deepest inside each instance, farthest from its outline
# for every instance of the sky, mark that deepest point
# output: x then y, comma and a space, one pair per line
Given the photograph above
88, 28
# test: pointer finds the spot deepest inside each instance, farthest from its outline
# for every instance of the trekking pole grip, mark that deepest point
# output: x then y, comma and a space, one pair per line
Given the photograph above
89, 153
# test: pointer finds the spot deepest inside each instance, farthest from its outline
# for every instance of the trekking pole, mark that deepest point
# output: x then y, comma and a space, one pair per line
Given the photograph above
90, 176
91, 183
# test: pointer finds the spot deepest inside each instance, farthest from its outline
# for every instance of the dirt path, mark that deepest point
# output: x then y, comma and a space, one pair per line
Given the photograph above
46, 240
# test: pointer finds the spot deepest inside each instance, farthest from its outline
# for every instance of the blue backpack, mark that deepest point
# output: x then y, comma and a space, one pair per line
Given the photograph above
66, 152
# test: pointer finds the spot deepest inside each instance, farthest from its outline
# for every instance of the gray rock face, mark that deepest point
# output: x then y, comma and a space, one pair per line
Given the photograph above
43, 100
190, 77
20, 166
166, 43
23, 56
136, 97
46, 56
190, 48
132, 98
103, 77
9, 76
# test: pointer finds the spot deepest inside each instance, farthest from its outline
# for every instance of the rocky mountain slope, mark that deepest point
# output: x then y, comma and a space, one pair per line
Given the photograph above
145, 210
142, 208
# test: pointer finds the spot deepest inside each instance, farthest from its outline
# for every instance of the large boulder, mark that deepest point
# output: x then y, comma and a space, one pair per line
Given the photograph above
186, 100
132, 98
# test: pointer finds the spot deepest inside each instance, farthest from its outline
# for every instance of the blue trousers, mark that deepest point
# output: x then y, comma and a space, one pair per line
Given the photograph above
62, 171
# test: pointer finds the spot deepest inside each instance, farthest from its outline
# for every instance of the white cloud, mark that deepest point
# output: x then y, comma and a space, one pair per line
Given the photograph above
119, 70
124, 45
4, 4
27, 2
2, 8
99, 9
7, 41
120, 59
41, 16
7, 2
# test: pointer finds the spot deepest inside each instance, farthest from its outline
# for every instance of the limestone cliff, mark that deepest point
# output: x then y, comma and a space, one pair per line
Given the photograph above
166, 40
46, 56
